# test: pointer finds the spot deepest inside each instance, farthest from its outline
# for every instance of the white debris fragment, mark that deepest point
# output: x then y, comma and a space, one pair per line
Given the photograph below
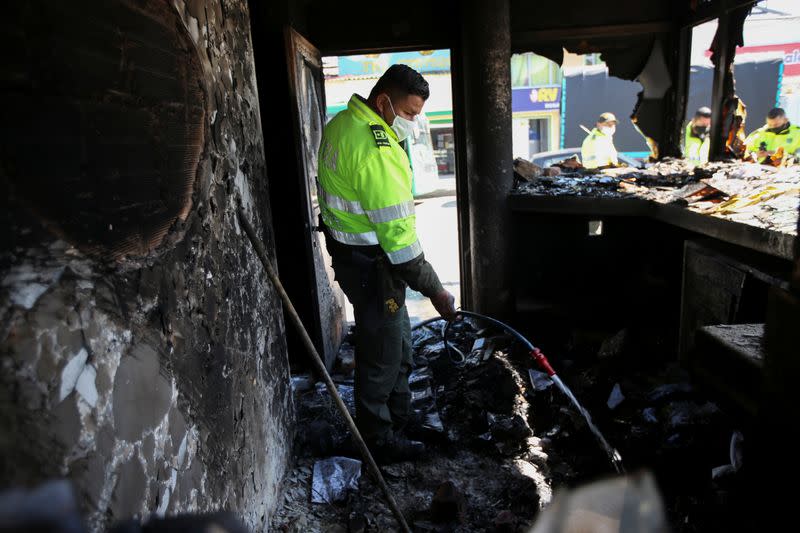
333, 478
240, 181
86, 386
26, 283
72, 371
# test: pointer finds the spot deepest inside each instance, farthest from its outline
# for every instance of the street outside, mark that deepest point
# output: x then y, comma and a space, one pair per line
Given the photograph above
437, 227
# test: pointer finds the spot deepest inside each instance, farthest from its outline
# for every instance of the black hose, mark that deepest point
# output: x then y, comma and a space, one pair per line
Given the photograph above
449, 348
508, 329
426, 322
503, 325
443, 334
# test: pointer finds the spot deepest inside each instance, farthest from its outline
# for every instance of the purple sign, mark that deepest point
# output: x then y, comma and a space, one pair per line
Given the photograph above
536, 99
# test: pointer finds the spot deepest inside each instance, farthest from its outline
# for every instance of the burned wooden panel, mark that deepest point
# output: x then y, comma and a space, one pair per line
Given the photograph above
730, 358
712, 289
725, 285
308, 94
104, 121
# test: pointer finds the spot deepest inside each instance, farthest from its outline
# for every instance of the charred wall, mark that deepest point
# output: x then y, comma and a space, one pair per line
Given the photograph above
531, 15
143, 353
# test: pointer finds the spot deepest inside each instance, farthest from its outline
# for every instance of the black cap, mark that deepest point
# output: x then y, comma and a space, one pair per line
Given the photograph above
703, 112
606, 117
776, 112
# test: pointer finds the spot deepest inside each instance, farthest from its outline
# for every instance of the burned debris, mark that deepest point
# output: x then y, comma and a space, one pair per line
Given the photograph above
507, 438
758, 195
479, 439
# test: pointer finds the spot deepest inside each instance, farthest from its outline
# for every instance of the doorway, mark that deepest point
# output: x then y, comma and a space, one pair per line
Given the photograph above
432, 156
538, 129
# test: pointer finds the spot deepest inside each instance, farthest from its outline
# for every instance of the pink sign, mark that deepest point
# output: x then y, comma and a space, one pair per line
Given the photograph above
791, 55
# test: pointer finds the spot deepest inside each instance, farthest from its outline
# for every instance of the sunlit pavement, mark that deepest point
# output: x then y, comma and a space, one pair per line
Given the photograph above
437, 228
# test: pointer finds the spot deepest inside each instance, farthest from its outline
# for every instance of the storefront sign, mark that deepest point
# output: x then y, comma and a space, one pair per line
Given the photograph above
790, 52
376, 64
536, 99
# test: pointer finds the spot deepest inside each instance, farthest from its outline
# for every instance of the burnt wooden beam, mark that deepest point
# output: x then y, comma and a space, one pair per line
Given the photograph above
722, 70
382, 47
708, 12
681, 75
557, 35
484, 73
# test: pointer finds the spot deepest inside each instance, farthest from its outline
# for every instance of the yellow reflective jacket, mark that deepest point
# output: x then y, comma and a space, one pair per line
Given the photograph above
598, 150
364, 190
760, 139
365, 184
695, 149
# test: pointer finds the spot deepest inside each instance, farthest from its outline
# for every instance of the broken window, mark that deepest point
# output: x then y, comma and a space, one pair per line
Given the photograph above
695, 132
552, 114
766, 50
767, 76
536, 98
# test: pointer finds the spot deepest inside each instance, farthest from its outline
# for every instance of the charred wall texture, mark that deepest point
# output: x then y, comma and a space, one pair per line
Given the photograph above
143, 353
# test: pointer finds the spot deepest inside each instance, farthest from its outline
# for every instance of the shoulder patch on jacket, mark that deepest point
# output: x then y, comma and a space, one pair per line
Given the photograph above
380, 135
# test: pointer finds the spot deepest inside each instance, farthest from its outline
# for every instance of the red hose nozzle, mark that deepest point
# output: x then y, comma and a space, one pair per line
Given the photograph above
539, 357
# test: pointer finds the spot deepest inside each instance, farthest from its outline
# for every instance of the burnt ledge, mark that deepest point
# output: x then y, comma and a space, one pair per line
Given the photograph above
762, 240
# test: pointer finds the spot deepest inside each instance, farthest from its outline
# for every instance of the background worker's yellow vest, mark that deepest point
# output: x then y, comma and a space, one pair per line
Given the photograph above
695, 149
761, 139
598, 150
365, 184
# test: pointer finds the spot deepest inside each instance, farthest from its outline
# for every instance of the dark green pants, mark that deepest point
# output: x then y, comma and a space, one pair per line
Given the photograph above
383, 363
383, 344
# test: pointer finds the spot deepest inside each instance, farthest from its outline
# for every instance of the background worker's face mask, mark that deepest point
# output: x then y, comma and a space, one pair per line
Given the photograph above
608, 130
403, 127
778, 129
777, 125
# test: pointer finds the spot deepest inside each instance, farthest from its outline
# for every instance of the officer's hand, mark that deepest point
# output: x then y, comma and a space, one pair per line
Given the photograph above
444, 303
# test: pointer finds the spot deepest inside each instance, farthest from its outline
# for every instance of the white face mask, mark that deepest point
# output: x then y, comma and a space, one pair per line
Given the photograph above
401, 126
608, 130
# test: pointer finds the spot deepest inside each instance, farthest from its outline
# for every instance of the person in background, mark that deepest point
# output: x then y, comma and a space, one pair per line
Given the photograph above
777, 135
598, 148
696, 141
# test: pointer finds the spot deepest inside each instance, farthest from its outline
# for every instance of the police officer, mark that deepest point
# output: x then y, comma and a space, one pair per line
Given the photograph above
367, 212
777, 132
696, 139
598, 148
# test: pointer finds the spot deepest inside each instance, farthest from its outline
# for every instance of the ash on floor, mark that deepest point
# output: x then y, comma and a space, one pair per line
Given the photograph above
507, 438
484, 470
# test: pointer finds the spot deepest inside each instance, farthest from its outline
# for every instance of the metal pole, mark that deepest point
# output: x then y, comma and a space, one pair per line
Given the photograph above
317, 360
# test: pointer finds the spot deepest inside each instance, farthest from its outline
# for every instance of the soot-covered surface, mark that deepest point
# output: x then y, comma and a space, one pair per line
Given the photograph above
143, 351
510, 438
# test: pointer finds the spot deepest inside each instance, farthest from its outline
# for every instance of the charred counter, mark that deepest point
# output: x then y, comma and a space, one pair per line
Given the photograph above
756, 239
596, 262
